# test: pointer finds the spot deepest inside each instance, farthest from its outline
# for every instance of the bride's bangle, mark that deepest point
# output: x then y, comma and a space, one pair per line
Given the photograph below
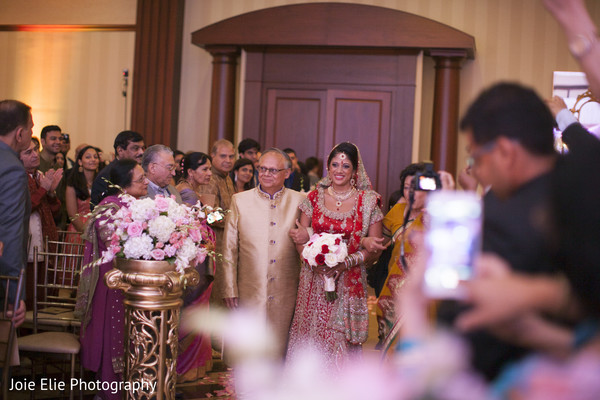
354, 259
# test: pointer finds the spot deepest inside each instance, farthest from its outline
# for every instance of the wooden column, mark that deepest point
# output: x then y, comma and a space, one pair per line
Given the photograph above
222, 101
157, 70
444, 130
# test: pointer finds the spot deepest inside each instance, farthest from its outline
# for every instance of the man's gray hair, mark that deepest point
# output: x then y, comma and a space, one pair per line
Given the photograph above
286, 157
151, 153
219, 143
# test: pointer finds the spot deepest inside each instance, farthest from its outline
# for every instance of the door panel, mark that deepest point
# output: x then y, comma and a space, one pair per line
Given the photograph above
363, 118
295, 119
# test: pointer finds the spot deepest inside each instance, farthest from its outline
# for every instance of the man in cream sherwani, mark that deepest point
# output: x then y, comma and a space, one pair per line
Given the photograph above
264, 266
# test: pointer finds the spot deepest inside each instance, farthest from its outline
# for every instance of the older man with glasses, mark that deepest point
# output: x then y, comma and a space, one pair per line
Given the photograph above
264, 266
159, 165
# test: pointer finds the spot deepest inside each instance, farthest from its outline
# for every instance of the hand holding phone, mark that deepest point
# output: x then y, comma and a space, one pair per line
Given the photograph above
452, 242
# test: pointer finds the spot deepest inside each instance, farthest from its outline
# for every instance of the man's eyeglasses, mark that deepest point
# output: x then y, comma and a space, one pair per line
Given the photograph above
169, 167
271, 171
475, 155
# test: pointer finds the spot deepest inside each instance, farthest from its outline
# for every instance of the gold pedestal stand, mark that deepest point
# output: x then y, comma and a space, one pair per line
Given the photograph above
153, 292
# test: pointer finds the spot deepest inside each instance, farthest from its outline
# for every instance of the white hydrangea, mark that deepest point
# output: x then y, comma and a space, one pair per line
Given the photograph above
177, 211
161, 228
143, 209
138, 247
186, 253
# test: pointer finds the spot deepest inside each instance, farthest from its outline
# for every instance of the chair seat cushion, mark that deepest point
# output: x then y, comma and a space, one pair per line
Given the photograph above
64, 319
50, 342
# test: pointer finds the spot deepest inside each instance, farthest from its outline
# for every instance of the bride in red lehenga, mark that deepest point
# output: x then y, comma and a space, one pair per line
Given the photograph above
343, 202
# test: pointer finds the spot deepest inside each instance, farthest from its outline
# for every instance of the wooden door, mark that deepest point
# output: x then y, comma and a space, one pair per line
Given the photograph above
312, 101
294, 119
363, 118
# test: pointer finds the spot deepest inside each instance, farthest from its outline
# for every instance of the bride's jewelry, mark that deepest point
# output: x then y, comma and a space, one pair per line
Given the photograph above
340, 197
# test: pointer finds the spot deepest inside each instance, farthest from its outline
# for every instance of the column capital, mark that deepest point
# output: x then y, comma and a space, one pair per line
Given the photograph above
224, 51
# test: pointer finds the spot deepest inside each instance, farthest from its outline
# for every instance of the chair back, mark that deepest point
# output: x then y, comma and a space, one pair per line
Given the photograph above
10, 296
56, 276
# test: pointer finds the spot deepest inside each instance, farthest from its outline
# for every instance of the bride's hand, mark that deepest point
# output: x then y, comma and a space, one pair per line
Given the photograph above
373, 244
336, 271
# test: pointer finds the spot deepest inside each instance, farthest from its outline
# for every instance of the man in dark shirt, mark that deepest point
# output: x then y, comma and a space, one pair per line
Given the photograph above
250, 149
128, 144
509, 132
297, 180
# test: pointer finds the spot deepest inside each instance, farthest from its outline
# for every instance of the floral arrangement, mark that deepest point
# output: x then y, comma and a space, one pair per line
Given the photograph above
325, 249
160, 229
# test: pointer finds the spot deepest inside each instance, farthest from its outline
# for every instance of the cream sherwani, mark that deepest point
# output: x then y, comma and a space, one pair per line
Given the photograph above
264, 265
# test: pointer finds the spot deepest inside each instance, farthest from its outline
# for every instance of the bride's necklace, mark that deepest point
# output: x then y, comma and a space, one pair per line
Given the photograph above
340, 197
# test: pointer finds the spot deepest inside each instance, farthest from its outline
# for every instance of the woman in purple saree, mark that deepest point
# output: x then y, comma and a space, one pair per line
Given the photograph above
101, 309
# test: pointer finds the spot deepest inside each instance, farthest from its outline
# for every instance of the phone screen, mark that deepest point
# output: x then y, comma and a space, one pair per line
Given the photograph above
453, 240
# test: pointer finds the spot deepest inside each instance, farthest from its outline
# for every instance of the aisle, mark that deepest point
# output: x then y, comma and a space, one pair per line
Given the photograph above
218, 384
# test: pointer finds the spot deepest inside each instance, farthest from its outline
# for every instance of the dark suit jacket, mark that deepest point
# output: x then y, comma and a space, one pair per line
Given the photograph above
15, 207
298, 181
99, 186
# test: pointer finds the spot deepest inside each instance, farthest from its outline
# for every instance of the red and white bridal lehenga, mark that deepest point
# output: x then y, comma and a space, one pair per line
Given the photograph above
335, 329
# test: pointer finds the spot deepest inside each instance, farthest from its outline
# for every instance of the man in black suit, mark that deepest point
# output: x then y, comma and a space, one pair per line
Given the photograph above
16, 126
128, 144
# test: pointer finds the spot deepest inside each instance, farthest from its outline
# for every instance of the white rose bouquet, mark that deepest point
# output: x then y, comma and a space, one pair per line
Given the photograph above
325, 249
158, 229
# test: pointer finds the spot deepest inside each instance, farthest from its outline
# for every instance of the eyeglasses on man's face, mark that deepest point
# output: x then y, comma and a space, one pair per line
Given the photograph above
476, 154
270, 171
168, 167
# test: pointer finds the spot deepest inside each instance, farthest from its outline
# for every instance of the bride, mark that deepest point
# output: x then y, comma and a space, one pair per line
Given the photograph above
343, 202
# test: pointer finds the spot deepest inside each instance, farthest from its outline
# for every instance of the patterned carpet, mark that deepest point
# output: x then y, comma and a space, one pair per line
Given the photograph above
217, 384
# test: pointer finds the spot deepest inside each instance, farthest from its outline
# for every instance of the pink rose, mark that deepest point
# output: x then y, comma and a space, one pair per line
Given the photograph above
159, 245
157, 254
175, 236
115, 249
161, 204
135, 229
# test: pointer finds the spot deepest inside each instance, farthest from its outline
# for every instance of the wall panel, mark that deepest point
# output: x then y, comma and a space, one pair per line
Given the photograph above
72, 79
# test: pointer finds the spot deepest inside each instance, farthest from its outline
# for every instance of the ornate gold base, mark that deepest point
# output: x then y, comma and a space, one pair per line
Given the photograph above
153, 292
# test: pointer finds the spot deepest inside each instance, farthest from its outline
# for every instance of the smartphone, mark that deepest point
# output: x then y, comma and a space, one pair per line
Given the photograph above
452, 241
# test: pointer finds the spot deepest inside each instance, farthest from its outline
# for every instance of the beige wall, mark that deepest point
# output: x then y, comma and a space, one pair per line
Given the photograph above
74, 79
74, 12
